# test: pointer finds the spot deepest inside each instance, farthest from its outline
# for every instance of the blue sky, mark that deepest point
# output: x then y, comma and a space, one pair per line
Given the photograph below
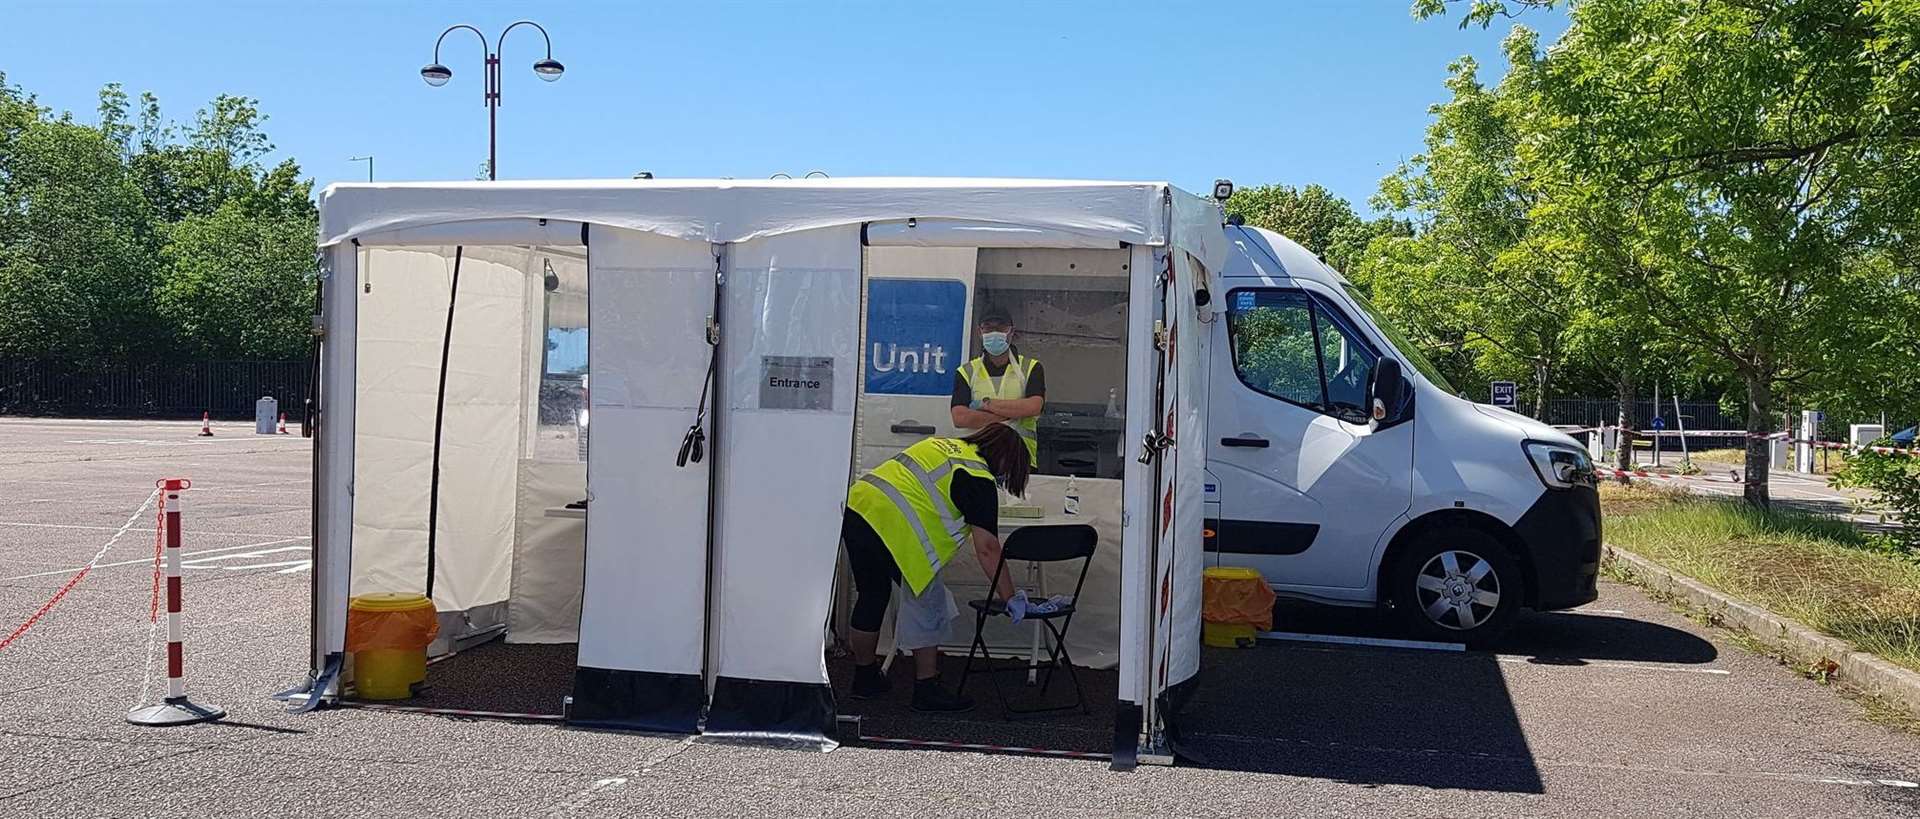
1327, 91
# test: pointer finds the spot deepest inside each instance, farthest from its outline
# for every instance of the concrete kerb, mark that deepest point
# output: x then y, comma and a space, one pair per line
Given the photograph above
1857, 668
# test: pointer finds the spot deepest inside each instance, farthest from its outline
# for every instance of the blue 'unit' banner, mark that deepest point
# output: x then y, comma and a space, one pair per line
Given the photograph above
915, 335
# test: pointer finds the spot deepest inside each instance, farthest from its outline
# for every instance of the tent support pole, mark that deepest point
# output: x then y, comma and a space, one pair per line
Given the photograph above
310, 428
715, 336
439, 422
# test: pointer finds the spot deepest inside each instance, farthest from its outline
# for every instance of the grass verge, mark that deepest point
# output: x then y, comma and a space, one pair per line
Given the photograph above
1824, 461
1818, 570
1732, 457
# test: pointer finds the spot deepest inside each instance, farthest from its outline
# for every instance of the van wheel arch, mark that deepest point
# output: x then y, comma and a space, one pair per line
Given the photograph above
1516, 548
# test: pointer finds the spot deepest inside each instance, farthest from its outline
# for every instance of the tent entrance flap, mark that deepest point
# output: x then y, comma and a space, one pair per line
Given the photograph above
1175, 449
786, 398
642, 657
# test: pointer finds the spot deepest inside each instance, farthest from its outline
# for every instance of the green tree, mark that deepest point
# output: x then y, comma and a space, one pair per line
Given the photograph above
76, 269
131, 237
1761, 148
1481, 270
239, 283
239, 253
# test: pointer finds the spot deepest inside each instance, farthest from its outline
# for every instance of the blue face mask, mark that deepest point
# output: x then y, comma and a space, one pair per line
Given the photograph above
994, 343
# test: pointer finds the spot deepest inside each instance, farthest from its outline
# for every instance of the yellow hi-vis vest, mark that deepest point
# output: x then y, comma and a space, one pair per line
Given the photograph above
909, 502
1010, 386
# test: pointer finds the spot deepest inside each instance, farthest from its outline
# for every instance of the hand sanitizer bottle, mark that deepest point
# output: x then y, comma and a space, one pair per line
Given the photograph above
1073, 496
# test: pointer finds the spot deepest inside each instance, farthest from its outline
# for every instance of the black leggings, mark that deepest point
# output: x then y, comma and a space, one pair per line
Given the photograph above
874, 572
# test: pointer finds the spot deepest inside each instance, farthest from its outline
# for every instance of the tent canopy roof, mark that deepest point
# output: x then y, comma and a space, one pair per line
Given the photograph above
731, 210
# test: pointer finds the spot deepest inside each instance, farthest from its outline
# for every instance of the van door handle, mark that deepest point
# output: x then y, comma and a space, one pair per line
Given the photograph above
1252, 441
913, 429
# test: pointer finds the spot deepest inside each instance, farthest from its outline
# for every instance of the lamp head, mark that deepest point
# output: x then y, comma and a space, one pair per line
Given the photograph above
549, 69
436, 74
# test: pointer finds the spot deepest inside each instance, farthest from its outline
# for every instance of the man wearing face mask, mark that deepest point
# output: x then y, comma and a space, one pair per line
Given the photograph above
1002, 386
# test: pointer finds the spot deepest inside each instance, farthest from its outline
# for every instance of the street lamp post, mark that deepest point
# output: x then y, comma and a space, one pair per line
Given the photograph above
436, 75
367, 159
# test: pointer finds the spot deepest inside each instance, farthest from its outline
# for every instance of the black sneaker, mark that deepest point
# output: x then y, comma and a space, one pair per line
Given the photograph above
930, 695
870, 683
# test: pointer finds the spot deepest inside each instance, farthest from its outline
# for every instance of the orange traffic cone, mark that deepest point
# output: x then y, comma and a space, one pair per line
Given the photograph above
206, 425
283, 424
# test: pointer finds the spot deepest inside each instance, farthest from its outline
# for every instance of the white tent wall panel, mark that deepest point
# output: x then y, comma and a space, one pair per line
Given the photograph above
644, 614
791, 315
1139, 493
548, 552
401, 322
548, 561
1189, 559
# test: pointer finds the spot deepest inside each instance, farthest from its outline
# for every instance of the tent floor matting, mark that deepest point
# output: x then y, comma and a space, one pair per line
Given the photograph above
508, 678
989, 723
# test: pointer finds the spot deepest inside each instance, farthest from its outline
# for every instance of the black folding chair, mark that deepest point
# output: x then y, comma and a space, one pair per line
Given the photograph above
1036, 544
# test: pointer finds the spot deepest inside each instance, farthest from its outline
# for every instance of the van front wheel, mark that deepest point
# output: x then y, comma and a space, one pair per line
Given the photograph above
1457, 585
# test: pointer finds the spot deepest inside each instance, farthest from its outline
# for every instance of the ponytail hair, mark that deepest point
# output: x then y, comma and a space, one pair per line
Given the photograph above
1006, 455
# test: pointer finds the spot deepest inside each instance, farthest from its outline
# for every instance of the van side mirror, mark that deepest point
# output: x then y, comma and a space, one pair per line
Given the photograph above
1386, 386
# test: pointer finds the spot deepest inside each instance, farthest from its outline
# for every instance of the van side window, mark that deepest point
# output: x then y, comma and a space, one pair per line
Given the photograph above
1348, 365
1273, 349
1289, 345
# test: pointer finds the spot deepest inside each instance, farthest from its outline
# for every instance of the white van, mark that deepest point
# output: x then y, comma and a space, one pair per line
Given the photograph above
1452, 514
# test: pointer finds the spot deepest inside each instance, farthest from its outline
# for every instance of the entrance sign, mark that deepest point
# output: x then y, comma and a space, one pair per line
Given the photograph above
796, 382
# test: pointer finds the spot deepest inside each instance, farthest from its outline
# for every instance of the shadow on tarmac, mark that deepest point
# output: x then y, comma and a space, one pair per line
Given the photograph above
1378, 716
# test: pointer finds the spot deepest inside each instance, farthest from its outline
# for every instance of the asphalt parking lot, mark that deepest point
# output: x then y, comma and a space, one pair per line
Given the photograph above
1621, 708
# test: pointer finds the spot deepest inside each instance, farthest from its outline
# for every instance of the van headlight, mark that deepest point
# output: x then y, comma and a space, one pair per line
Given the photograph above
1560, 466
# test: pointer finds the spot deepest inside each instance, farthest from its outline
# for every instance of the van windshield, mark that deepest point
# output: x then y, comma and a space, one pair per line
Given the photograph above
1400, 342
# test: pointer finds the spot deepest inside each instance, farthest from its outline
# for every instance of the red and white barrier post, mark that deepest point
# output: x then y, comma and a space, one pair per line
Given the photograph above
176, 709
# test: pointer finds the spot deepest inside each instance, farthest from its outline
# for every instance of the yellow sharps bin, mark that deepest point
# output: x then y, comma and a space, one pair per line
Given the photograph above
388, 634
1235, 606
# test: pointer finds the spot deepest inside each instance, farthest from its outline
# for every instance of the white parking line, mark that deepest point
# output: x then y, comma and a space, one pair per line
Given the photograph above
233, 555
149, 560
211, 562
1378, 642
298, 565
188, 442
1575, 662
110, 528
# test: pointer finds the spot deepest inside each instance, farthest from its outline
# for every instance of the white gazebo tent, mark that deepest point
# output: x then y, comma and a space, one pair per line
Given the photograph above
703, 588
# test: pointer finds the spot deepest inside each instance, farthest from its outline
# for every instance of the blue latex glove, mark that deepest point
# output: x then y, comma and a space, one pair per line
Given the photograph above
1017, 607
977, 403
1050, 605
